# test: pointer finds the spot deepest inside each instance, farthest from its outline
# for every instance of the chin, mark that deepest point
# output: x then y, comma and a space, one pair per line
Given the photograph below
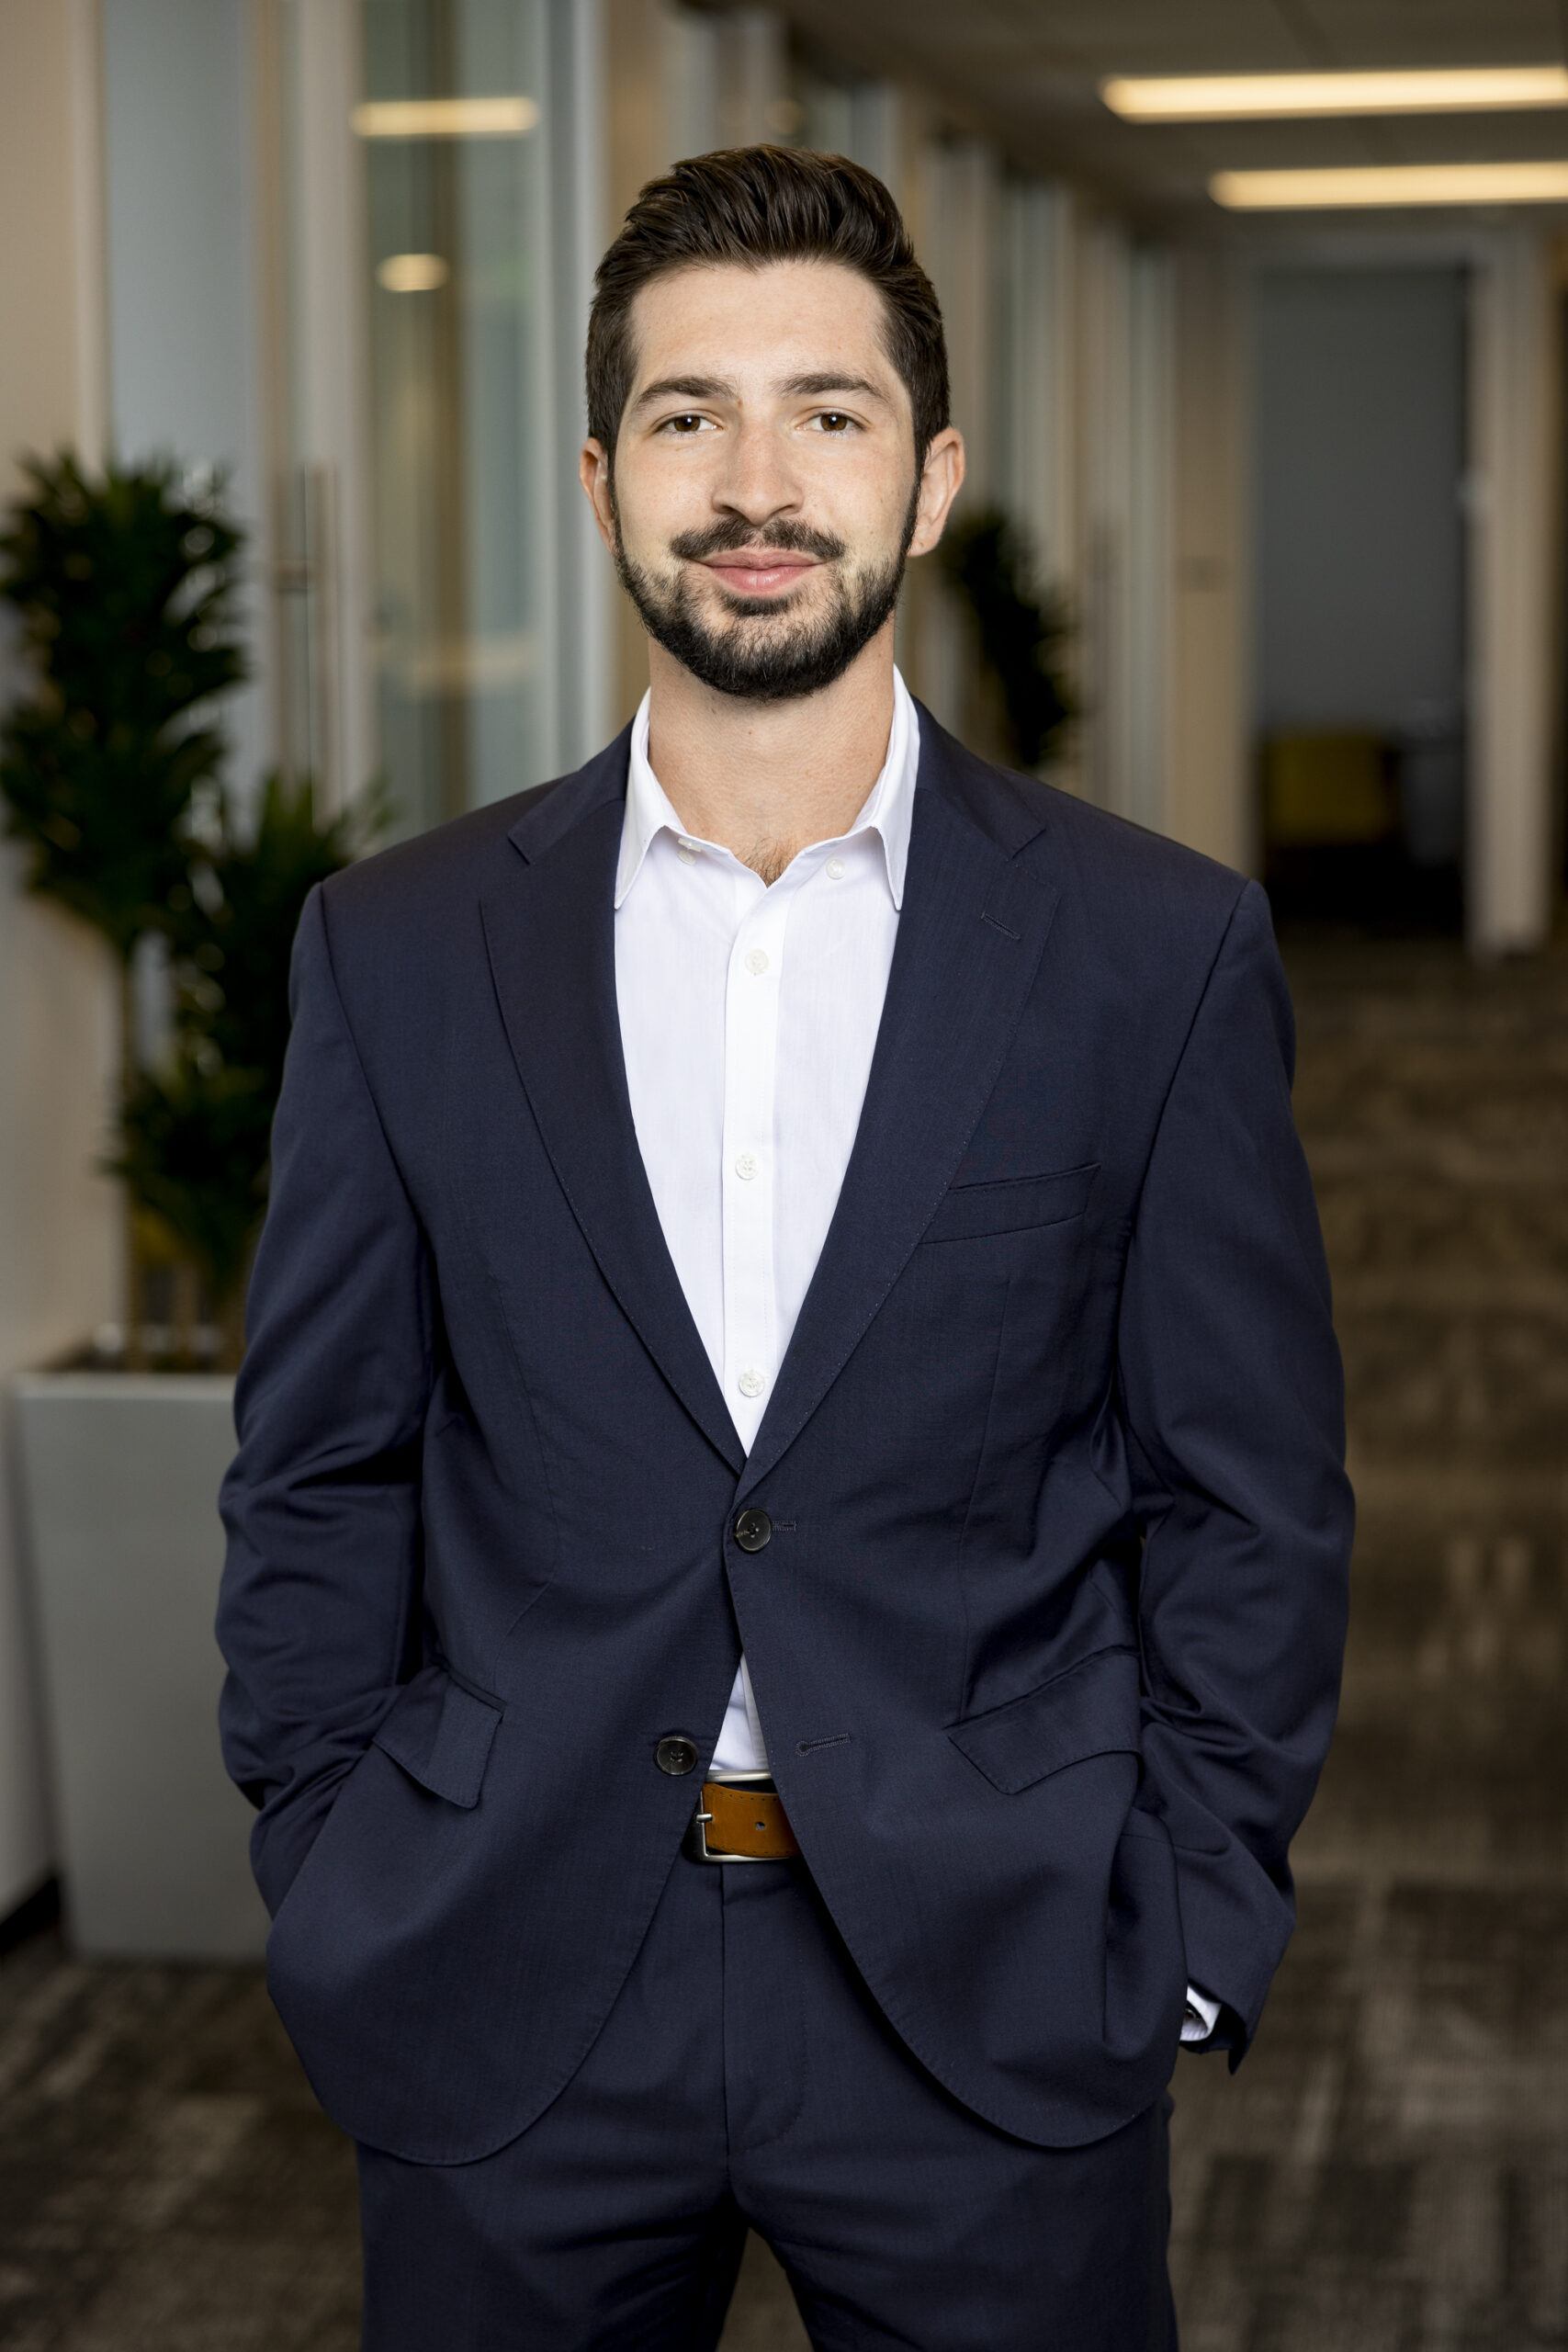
729, 606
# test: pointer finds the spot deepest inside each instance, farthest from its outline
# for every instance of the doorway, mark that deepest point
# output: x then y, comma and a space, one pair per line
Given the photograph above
1359, 648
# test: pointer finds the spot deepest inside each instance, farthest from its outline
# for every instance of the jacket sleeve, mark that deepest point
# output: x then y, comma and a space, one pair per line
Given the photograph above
1233, 1407
323, 1503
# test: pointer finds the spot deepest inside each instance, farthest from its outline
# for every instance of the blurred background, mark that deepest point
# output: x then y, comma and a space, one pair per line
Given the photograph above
1261, 546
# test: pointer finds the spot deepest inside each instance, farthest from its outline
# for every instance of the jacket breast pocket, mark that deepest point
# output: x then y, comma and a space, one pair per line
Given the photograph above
1014, 1206
441, 1735
1094, 1709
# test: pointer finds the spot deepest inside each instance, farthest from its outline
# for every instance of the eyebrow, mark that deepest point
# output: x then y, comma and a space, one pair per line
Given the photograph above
814, 386
686, 388
720, 388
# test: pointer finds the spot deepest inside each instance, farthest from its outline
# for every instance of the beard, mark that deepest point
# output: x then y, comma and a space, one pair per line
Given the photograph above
767, 652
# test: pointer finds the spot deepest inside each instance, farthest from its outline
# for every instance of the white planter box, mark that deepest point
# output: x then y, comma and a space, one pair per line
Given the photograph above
119, 1479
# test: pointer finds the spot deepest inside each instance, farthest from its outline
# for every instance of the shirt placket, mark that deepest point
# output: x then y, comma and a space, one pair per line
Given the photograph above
750, 1061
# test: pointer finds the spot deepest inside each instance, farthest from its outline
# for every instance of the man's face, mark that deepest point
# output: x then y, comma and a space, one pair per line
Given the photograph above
765, 493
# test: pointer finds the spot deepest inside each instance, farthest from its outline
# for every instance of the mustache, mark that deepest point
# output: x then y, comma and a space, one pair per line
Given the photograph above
723, 538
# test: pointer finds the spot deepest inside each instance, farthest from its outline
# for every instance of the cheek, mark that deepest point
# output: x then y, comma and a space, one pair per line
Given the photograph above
645, 544
867, 502
654, 501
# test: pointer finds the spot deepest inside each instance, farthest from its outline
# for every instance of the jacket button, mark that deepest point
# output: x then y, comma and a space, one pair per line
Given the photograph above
753, 1529
676, 1755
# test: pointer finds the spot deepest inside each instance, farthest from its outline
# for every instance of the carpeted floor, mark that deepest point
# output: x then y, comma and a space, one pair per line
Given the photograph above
1389, 2172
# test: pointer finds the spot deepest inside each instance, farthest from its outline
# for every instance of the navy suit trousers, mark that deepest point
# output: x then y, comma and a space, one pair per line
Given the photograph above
746, 2077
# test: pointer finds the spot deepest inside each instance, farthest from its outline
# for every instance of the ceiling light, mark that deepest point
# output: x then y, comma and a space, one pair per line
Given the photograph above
1395, 184
1214, 97
445, 117
412, 273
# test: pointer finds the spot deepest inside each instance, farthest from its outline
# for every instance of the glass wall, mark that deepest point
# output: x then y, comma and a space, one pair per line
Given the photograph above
457, 133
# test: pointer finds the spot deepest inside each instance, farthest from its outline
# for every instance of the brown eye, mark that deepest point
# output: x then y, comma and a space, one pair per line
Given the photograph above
834, 420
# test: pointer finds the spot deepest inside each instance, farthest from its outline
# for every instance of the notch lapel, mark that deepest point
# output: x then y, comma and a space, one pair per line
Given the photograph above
549, 931
971, 937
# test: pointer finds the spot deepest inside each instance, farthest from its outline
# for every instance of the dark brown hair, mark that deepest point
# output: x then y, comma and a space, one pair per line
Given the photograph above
752, 206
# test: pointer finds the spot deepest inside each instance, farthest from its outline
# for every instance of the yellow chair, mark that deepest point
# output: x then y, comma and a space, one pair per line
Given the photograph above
1322, 791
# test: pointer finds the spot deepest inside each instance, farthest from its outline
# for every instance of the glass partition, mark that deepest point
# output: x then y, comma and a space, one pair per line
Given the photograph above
455, 133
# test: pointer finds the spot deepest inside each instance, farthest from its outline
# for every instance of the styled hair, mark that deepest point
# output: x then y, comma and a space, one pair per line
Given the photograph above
752, 206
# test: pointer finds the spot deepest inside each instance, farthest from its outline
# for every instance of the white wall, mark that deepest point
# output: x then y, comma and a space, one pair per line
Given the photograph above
58, 1267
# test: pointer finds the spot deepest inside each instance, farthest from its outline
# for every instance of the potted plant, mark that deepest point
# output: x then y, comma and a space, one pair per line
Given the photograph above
1022, 632
125, 588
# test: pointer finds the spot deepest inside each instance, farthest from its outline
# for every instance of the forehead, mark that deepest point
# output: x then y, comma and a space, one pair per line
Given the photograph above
786, 319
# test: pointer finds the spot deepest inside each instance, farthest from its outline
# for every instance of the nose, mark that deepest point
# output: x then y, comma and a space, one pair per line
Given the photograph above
759, 482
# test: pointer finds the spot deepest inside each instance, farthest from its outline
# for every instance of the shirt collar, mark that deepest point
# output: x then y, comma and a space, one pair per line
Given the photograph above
888, 811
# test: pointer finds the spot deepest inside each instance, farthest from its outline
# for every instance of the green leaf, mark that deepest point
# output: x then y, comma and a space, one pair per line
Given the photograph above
193, 1150
195, 1139
1023, 629
231, 935
124, 587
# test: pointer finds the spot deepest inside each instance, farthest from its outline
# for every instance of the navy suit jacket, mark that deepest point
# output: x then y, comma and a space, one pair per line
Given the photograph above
1046, 1639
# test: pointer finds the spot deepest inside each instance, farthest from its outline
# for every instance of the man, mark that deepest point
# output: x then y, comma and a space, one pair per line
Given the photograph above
788, 1548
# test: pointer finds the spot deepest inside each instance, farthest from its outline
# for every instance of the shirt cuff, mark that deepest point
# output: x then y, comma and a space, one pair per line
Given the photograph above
1203, 2016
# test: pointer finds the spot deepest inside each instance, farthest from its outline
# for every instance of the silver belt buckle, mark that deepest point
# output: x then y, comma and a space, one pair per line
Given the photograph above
696, 1841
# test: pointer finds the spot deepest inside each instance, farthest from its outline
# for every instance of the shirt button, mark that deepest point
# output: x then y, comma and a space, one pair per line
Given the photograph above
834, 869
687, 856
751, 1384
676, 1755
746, 1167
757, 960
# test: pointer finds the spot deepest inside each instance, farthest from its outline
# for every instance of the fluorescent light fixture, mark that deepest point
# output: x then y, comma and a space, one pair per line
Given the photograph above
1396, 184
1215, 98
412, 273
445, 117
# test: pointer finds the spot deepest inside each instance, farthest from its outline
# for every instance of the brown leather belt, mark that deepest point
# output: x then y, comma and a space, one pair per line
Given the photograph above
740, 1821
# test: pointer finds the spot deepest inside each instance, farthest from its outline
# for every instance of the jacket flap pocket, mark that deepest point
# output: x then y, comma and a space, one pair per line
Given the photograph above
1093, 1710
969, 1210
441, 1736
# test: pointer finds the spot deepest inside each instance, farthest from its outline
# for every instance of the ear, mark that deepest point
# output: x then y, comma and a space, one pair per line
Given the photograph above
593, 473
942, 478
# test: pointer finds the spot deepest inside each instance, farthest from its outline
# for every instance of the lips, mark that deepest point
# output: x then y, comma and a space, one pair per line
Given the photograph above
751, 571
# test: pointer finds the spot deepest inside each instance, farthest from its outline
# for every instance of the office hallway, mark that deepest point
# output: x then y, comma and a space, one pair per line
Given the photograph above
1389, 2172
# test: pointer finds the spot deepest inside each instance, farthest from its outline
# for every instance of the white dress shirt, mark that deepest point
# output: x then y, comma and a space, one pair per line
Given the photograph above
748, 1016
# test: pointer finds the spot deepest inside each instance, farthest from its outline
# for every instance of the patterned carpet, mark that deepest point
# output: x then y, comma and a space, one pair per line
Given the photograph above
1389, 2172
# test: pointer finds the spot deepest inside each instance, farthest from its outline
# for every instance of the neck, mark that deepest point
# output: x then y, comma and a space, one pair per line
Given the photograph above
765, 779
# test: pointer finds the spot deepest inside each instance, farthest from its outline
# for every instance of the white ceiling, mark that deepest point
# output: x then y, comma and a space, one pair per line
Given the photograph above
1029, 71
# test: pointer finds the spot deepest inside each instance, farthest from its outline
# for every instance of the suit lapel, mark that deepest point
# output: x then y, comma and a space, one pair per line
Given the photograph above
971, 935
549, 928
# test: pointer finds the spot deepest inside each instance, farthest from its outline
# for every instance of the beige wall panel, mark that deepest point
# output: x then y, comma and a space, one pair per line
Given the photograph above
1516, 407
636, 47
52, 387
57, 1227
1209, 783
